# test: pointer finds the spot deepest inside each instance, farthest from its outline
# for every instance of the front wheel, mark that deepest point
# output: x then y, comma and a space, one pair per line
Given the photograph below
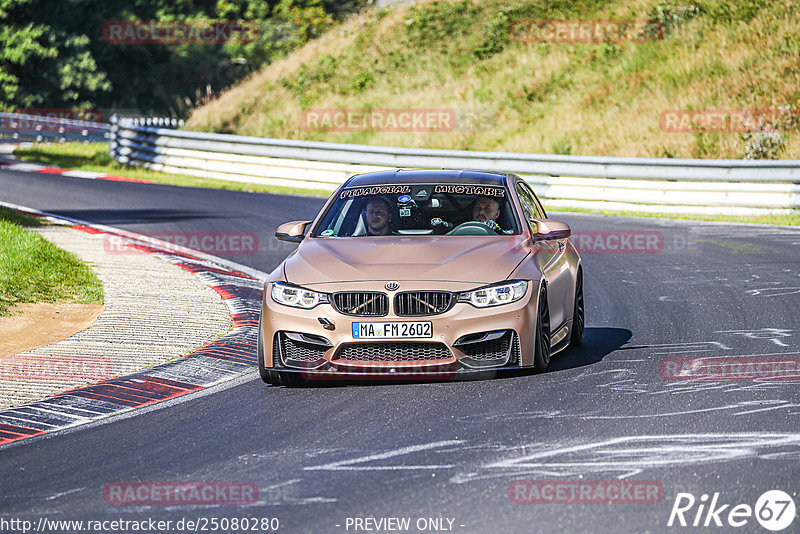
541, 355
281, 378
578, 313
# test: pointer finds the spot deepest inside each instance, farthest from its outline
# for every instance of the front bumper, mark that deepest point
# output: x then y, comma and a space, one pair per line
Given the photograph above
297, 341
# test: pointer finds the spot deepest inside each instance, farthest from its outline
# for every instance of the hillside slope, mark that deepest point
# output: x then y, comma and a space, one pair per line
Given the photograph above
478, 62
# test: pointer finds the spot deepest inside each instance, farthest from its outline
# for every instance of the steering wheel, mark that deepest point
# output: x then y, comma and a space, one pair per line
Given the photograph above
472, 228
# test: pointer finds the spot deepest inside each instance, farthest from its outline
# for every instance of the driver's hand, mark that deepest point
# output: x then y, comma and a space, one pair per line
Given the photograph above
491, 224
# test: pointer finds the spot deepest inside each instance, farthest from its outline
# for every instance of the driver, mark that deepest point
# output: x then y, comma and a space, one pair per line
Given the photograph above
486, 210
378, 217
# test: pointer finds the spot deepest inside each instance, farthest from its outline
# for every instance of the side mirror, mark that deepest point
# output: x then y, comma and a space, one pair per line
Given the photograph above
292, 231
548, 229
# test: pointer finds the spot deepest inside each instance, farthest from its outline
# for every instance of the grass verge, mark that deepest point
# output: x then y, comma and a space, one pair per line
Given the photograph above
95, 157
792, 219
34, 270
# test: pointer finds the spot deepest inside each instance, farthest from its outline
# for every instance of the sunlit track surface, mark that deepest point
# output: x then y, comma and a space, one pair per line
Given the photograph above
605, 412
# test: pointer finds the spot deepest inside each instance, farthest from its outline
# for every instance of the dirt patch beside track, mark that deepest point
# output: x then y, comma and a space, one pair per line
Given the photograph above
38, 324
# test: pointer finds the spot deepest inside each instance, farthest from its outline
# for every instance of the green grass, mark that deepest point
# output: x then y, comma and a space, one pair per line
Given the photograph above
34, 270
68, 155
95, 157
18, 218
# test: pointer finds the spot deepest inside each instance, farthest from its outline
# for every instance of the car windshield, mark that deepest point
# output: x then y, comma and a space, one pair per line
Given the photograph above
419, 209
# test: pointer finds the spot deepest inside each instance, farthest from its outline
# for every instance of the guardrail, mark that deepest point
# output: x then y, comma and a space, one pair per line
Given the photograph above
735, 187
23, 127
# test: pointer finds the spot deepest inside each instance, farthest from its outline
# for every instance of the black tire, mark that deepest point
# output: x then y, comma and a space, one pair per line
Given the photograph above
271, 376
578, 314
541, 355
279, 378
263, 371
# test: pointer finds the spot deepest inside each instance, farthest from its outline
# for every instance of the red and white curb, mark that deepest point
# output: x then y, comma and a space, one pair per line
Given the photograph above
73, 173
225, 359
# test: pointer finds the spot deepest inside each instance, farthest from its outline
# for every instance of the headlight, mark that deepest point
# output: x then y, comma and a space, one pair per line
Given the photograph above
495, 295
290, 295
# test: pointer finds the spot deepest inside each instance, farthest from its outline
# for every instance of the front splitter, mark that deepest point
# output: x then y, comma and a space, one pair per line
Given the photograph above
403, 375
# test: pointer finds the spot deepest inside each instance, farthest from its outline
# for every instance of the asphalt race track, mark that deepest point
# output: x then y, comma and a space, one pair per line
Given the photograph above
608, 411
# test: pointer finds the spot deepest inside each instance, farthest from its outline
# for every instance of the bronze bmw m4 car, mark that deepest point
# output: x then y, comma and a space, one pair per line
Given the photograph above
416, 273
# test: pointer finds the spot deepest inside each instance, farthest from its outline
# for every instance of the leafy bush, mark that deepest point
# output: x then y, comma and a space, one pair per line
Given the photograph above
310, 78
767, 141
666, 17
363, 81
763, 145
497, 36
439, 20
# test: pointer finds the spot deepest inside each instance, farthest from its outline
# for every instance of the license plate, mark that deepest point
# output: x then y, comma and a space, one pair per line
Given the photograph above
393, 330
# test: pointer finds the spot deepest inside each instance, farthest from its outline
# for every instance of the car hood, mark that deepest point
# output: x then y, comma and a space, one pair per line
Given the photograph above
477, 259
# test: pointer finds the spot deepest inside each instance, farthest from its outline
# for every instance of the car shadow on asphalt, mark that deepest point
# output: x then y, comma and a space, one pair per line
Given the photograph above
598, 342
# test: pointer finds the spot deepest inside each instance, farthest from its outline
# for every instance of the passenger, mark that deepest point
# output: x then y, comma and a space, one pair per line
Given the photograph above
378, 217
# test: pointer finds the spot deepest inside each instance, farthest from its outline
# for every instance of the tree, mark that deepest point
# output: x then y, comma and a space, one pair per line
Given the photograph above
54, 55
42, 65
